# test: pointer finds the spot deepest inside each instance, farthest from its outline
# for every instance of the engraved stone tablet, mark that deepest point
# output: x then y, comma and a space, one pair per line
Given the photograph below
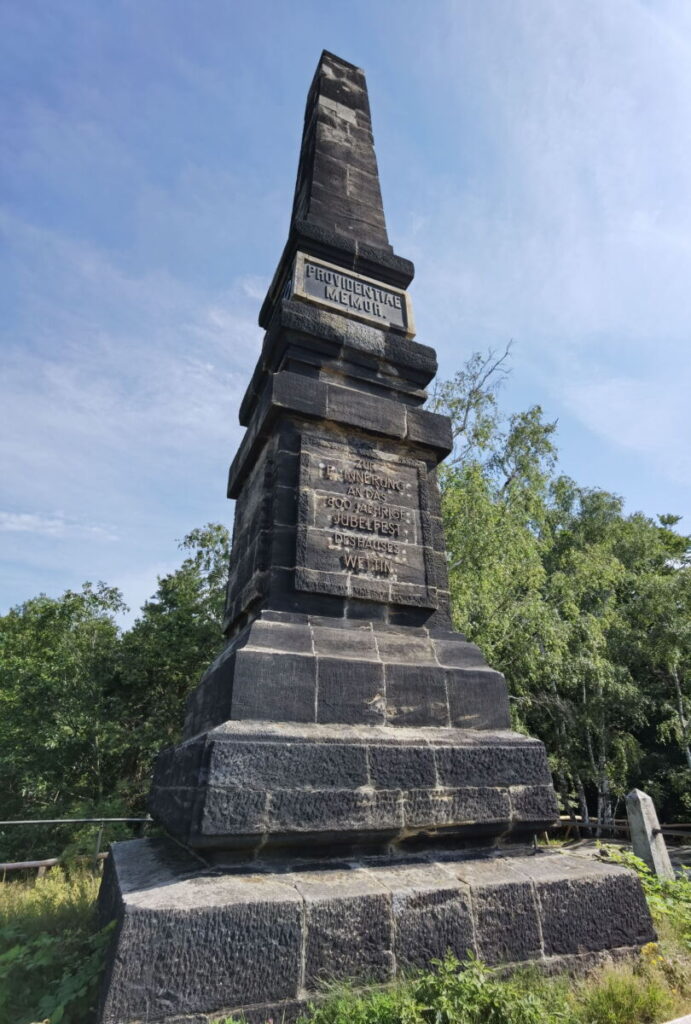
361, 297
362, 529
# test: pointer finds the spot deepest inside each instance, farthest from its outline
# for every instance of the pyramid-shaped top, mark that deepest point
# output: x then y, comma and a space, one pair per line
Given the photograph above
338, 182
337, 213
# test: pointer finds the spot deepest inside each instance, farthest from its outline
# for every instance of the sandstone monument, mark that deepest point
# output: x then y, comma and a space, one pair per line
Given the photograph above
349, 799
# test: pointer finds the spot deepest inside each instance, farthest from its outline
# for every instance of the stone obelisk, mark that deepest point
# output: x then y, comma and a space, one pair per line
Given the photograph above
349, 799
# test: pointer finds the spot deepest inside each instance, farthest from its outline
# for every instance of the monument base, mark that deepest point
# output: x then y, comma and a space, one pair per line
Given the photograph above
251, 786
196, 944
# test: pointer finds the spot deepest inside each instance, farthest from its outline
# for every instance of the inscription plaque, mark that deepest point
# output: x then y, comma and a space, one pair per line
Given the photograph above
362, 527
361, 297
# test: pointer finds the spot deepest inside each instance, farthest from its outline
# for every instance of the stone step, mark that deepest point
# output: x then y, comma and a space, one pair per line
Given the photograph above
193, 941
248, 785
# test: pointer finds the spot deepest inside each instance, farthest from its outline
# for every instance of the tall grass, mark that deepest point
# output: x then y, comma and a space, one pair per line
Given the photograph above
50, 950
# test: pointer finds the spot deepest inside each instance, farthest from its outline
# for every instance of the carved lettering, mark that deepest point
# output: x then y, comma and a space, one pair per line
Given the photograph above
360, 516
359, 563
354, 295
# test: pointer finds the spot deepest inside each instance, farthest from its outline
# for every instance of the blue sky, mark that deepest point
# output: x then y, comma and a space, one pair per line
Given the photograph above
535, 159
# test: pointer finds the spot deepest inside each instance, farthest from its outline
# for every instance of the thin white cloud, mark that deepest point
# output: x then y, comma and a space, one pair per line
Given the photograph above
638, 416
119, 398
52, 525
571, 232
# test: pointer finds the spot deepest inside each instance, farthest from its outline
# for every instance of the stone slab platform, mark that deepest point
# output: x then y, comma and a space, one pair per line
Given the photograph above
250, 785
193, 943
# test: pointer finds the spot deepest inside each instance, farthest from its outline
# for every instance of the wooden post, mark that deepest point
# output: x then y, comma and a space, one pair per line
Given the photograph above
646, 839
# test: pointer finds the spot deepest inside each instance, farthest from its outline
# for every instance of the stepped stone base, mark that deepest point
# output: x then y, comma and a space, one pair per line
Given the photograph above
194, 944
252, 785
309, 668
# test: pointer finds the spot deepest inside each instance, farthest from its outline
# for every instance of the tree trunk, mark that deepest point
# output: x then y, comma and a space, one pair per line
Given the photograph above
585, 813
683, 720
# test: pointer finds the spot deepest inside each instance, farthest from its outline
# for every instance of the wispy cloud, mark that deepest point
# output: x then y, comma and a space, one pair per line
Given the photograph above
119, 397
648, 418
55, 525
562, 217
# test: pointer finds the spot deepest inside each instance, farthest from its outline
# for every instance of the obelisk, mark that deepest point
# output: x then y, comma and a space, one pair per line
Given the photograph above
349, 799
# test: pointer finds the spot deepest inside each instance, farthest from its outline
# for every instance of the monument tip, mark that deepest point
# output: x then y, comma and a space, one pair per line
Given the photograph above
338, 214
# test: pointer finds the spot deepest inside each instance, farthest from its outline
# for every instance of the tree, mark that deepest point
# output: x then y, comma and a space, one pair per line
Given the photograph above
165, 652
585, 609
57, 660
84, 708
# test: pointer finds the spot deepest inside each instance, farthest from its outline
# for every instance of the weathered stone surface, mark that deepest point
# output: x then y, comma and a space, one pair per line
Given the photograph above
505, 912
349, 928
189, 941
350, 691
646, 839
314, 668
193, 942
605, 911
267, 784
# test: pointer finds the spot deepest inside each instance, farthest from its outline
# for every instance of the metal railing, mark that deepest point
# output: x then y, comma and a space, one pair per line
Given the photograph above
49, 862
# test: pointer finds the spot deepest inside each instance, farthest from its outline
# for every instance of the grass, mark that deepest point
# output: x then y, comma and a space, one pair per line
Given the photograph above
50, 950
51, 955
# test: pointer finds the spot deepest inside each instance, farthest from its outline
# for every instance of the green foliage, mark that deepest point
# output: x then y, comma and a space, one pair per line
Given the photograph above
472, 993
164, 654
84, 708
586, 610
51, 955
623, 996
669, 899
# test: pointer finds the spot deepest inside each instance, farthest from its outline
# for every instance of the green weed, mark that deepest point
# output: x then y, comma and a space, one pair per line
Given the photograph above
50, 952
669, 901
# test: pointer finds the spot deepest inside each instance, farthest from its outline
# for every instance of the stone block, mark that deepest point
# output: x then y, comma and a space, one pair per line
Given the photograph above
349, 928
381, 415
505, 911
533, 804
190, 942
196, 943
301, 394
284, 505
336, 812
429, 429
350, 691
230, 812
493, 761
477, 699
401, 767
355, 642
405, 648
281, 686
646, 839
454, 651
265, 765
444, 809
431, 914
415, 695
586, 906
282, 637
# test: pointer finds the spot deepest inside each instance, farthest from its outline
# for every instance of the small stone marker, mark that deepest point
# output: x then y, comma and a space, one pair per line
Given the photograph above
647, 841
